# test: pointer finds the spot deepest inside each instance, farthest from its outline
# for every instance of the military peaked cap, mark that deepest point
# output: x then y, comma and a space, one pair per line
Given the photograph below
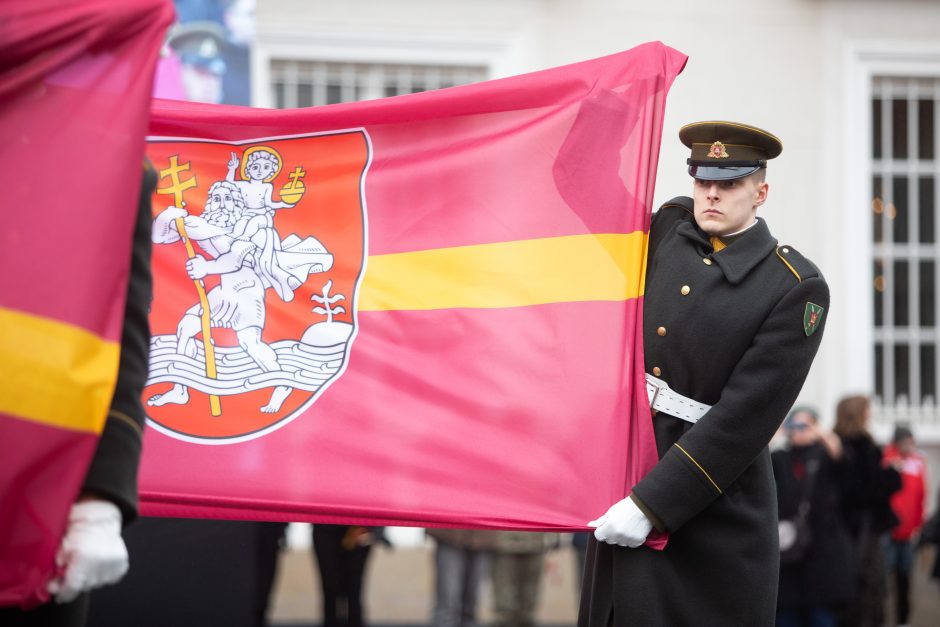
727, 150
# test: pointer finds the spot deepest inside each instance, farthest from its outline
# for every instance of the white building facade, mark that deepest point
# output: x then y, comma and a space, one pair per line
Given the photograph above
852, 87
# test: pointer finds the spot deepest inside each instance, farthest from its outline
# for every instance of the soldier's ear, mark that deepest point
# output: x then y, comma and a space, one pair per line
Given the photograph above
760, 194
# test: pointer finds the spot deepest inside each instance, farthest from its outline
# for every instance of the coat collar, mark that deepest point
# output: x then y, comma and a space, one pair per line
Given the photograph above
738, 259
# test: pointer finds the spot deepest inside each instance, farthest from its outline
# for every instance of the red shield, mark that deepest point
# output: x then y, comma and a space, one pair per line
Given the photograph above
258, 249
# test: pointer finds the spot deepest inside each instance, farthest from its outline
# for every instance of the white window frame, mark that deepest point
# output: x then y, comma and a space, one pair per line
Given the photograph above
364, 81
864, 62
502, 54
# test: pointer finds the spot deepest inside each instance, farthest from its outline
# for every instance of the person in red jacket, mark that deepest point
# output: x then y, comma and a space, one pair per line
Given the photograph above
908, 506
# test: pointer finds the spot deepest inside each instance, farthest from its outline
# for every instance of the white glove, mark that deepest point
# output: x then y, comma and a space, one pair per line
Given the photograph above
623, 524
92, 553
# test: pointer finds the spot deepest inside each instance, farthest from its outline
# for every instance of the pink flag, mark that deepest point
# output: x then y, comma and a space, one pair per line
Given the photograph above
422, 310
75, 81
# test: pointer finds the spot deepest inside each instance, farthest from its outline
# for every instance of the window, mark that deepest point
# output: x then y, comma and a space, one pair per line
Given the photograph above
905, 197
313, 83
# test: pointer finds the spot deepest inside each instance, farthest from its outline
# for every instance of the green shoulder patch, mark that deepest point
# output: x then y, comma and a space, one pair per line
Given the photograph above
812, 318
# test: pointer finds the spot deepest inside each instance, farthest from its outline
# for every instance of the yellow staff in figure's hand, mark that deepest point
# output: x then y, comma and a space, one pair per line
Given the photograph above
177, 187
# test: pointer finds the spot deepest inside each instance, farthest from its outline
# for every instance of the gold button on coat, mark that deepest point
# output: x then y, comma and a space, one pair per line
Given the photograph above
707, 261
685, 290
661, 331
656, 371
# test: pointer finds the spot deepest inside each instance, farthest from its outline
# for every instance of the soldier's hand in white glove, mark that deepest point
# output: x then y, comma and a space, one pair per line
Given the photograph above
623, 524
92, 553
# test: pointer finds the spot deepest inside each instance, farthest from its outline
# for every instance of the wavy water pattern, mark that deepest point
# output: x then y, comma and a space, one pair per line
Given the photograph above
303, 367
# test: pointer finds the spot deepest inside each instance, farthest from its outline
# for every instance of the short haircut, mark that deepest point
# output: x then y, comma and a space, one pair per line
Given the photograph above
902, 432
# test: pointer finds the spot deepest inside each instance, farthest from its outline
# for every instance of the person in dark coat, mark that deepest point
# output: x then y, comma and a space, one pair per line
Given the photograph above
92, 552
866, 508
814, 581
342, 552
732, 323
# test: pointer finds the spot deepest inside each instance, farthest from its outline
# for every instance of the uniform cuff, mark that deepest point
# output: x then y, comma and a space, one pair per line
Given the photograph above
650, 514
677, 488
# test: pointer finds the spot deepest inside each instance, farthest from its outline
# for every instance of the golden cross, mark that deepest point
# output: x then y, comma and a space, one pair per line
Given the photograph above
295, 177
177, 186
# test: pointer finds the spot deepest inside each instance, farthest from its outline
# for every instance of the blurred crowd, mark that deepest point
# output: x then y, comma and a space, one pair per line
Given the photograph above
852, 518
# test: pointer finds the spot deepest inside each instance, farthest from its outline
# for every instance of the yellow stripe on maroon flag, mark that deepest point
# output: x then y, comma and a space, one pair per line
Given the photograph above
461, 278
594, 267
55, 373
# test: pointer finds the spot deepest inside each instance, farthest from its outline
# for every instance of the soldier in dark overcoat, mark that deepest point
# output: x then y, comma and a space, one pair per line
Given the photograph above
732, 323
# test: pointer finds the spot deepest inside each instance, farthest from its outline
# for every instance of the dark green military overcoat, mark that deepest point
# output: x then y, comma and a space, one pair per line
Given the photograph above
736, 329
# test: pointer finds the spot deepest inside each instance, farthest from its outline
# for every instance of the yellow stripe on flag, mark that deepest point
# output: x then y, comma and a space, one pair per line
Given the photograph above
55, 373
605, 267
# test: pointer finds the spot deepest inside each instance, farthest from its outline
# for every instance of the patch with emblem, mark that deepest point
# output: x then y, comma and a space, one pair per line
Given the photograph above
717, 151
812, 317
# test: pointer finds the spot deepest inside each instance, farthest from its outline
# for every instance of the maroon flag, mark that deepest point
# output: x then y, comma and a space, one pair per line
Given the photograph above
422, 310
75, 81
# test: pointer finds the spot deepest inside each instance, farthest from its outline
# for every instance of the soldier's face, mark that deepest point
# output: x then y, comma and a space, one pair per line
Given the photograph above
726, 207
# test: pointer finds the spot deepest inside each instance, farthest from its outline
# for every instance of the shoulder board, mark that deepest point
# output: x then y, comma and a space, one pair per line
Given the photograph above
683, 202
801, 267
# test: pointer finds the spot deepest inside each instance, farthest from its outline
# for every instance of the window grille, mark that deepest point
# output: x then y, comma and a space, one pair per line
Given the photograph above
314, 83
905, 152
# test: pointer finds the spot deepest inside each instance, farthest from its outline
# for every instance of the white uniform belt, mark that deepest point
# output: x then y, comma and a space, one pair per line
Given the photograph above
663, 399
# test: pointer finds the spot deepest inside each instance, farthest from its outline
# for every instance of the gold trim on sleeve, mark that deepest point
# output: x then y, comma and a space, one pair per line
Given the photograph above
125, 418
699, 466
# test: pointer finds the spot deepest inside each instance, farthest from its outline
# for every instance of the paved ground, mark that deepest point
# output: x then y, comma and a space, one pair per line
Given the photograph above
399, 590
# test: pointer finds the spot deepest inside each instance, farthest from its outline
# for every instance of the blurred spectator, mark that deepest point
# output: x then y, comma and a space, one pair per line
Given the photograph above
518, 560
460, 558
908, 505
815, 548
866, 509
341, 554
212, 45
930, 534
202, 69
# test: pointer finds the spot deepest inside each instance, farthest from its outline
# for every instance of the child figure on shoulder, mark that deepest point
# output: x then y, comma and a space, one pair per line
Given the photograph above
257, 192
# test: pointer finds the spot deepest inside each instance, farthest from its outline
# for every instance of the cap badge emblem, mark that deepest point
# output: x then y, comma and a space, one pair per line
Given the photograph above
717, 151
